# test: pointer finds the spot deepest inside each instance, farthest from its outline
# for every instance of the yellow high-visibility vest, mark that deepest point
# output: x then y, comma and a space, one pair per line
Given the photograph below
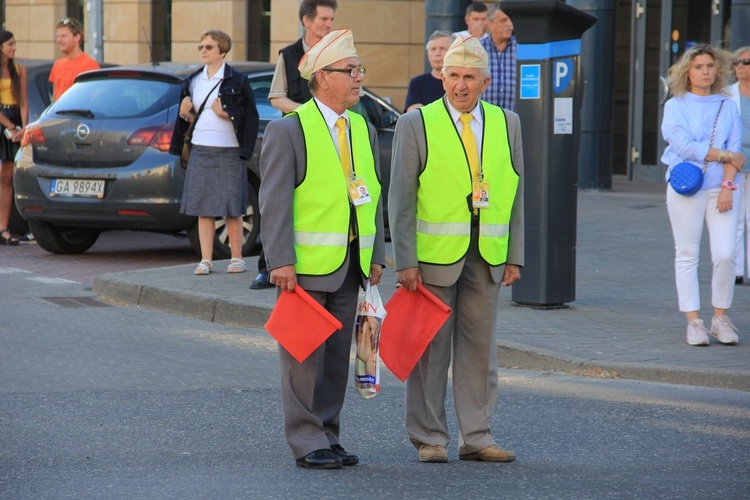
445, 188
321, 201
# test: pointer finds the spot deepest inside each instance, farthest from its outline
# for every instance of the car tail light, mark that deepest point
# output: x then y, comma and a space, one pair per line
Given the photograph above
133, 212
33, 135
155, 136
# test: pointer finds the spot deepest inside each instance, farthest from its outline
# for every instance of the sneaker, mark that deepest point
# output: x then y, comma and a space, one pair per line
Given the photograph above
723, 330
433, 454
697, 333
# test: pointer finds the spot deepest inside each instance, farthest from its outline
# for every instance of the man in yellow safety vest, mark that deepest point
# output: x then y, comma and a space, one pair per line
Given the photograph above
456, 217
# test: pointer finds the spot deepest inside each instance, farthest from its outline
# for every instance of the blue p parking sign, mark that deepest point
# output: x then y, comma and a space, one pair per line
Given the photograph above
562, 74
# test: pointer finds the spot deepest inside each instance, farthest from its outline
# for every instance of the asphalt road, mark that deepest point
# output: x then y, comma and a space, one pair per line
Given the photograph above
100, 401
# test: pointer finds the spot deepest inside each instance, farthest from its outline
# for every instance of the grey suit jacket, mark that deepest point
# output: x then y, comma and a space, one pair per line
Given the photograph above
283, 164
408, 162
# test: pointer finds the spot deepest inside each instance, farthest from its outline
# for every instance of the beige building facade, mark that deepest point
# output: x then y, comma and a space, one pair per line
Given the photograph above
389, 33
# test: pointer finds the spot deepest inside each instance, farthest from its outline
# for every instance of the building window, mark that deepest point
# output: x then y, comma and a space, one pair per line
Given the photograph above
258, 30
161, 30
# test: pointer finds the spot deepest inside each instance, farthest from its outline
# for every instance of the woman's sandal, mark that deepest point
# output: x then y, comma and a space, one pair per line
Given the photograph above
203, 268
9, 240
236, 266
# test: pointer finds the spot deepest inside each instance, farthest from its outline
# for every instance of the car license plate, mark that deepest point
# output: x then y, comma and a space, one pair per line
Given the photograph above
79, 188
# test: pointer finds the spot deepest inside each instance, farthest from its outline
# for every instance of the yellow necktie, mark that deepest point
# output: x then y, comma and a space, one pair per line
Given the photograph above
470, 144
346, 162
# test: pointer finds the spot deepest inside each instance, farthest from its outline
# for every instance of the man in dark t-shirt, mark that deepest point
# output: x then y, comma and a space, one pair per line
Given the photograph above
428, 87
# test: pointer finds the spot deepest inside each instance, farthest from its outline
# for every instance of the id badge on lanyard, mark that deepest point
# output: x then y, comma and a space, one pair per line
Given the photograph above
358, 193
480, 197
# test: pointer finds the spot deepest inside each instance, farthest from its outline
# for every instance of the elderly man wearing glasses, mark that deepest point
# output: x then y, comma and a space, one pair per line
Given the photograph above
320, 237
74, 60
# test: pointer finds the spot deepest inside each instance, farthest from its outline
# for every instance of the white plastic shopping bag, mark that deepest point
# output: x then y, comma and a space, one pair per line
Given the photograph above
370, 314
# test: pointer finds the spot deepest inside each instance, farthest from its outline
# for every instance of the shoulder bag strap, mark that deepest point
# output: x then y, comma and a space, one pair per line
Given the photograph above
200, 110
713, 133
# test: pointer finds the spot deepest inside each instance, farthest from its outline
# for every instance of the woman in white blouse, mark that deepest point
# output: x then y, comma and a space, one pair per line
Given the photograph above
219, 101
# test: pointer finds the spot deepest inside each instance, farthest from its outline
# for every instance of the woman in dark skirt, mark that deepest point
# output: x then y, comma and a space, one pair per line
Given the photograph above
223, 136
14, 114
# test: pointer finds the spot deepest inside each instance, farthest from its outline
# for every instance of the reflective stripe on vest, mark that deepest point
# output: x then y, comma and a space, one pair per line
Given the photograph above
445, 185
321, 228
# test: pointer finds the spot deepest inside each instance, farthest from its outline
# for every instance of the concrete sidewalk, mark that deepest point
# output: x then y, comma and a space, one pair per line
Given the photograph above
623, 322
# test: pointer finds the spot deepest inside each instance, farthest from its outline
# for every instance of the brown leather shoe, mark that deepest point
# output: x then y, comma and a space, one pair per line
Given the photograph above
490, 454
432, 454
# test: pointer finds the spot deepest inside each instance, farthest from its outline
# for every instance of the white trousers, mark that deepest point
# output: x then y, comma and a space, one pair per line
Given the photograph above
686, 214
742, 265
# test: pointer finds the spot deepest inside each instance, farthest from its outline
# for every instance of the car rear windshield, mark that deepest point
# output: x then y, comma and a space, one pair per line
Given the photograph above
117, 98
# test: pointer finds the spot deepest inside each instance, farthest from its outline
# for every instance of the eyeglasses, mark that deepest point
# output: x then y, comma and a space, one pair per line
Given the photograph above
66, 21
354, 72
744, 62
207, 47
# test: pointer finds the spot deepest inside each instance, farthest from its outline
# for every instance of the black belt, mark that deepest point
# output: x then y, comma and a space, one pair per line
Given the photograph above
8, 106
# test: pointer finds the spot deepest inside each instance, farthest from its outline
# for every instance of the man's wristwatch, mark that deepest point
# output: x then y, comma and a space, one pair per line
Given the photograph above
730, 185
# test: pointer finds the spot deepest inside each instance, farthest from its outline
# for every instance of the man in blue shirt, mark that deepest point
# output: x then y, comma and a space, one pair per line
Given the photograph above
502, 48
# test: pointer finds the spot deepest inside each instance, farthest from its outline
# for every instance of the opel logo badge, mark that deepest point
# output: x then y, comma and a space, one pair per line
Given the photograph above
83, 131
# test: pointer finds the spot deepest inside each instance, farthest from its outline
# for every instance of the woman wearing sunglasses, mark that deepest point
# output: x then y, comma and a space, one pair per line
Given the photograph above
218, 103
702, 126
740, 93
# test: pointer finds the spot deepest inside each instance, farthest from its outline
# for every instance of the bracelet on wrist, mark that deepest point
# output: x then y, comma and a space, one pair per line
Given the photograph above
721, 156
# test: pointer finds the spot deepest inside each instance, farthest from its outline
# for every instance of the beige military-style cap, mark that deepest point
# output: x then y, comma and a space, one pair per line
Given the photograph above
335, 46
466, 53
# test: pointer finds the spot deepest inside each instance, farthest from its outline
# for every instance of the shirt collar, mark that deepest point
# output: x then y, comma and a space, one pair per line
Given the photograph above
218, 75
329, 115
455, 114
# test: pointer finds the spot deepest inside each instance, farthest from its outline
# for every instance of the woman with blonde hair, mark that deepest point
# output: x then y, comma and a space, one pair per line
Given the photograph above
14, 111
740, 93
702, 126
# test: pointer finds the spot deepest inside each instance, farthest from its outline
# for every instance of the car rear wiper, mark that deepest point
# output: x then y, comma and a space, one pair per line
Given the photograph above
76, 112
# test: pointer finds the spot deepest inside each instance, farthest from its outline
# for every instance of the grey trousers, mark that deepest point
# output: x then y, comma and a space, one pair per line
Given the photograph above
469, 335
312, 392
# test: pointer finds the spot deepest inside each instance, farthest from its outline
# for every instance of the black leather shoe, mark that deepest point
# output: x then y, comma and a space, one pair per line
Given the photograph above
320, 459
346, 458
739, 280
261, 282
